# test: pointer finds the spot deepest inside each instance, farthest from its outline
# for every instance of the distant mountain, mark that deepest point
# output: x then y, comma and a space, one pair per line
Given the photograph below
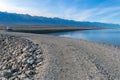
25, 19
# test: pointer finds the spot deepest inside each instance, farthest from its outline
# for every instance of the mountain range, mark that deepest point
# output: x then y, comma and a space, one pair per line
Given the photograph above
10, 19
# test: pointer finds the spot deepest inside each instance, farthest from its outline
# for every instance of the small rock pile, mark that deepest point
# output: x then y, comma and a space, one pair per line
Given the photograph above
19, 58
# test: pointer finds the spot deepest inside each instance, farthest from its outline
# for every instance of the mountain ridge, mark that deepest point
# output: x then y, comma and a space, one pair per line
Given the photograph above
26, 19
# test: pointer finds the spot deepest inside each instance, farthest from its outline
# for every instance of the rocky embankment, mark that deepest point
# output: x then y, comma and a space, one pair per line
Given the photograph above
19, 58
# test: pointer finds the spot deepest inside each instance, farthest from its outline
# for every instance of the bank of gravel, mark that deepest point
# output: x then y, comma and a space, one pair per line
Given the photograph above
70, 59
19, 58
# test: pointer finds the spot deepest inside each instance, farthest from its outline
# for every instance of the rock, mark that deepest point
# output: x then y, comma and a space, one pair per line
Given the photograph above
32, 49
19, 59
25, 48
40, 63
28, 79
14, 53
39, 56
24, 61
30, 60
2, 78
7, 73
22, 75
26, 54
39, 60
14, 68
31, 72
16, 78
38, 51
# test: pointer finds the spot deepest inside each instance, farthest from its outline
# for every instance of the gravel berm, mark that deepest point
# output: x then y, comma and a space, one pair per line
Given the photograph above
71, 59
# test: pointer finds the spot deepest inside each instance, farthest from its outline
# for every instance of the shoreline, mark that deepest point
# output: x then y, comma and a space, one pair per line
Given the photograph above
71, 59
46, 30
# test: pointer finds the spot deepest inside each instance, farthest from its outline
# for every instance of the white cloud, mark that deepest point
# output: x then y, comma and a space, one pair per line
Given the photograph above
7, 7
110, 18
4, 6
107, 10
85, 14
104, 14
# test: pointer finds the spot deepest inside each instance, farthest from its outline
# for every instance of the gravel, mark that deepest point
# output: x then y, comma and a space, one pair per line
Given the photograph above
69, 59
18, 58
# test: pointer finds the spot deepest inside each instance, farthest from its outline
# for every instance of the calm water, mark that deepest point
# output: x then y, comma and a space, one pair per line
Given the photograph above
111, 36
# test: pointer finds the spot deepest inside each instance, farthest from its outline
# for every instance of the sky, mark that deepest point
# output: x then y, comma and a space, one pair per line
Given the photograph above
107, 11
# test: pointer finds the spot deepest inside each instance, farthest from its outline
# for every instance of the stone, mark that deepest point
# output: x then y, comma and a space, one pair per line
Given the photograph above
22, 75
32, 49
39, 56
2, 78
26, 54
31, 72
27, 79
14, 53
20, 58
38, 51
24, 61
25, 48
40, 63
39, 60
30, 60
14, 68
7, 73
16, 78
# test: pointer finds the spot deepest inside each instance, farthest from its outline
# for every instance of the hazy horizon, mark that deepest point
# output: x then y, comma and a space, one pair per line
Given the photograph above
106, 11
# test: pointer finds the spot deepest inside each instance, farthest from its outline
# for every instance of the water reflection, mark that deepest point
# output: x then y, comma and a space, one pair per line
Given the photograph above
111, 36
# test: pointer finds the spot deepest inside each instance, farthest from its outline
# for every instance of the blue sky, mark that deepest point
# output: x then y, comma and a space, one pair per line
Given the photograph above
107, 11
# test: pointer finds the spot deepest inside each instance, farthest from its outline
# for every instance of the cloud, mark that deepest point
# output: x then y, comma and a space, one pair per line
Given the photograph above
8, 7
112, 15
85, 14
111, 18
48, 8
106, 14
4, 6
107, 10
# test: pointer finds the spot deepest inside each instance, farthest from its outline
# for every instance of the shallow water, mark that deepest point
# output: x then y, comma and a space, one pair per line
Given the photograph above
108, 36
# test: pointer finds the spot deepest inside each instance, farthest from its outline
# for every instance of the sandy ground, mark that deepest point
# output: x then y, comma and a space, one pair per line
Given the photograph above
70, 59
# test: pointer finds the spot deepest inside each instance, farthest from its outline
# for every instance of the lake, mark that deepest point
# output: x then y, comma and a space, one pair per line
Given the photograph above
107, 36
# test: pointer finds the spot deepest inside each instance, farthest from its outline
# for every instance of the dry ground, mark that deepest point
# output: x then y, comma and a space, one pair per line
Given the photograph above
70, 59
